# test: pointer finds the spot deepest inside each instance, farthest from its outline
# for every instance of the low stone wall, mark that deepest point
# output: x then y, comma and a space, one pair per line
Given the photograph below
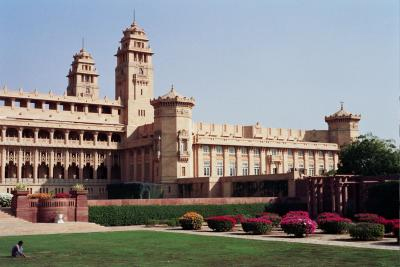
181, 201
46, 210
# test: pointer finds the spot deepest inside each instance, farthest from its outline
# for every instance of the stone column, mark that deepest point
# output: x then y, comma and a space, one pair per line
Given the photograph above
316, 165
338, 196
19, 135
263, 161
295, 160
86, 109
51, 165
95, 137
125, 176
134, 174
3, 133
81, 137
66, 136
151, 166
19, 166
36, 166
81, 164
36, 135
51, 136
143, 164
109, 165
66, 165
213, 161
238, 162
335, 160
3, 165
200, 161
326, 162
285, 159
226, 161
344, 196
109, 135
96, 164
306, 164
251, 161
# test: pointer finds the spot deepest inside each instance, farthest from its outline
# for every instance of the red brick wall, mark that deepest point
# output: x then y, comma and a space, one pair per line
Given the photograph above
180, 201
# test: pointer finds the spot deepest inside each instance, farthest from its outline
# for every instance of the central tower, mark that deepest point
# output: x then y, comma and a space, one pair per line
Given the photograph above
134, 78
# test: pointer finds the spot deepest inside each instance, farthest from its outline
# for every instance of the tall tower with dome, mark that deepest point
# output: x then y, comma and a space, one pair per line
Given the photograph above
134, 78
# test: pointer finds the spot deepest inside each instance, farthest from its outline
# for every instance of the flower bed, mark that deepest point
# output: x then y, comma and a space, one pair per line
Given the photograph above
257, 226
191, 221
333, 223
5, 199
273, 217
369, 218
298, 223
221, 223
367, 231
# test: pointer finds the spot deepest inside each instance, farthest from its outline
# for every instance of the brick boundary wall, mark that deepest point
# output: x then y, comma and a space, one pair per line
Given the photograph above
180, 201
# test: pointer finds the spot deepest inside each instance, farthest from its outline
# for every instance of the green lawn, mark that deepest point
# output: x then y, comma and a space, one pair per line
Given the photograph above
145, 248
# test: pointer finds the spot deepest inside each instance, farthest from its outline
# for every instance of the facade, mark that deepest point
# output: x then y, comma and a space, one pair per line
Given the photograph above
51, 142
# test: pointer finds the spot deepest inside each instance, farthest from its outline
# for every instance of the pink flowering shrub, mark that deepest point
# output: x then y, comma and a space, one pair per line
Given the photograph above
221, 223
273, 217
257, 226
299, 226
389, 225
238, 217
297, 214
62, 195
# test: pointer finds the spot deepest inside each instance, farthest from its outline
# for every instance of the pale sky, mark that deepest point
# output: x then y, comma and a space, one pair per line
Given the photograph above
281, 63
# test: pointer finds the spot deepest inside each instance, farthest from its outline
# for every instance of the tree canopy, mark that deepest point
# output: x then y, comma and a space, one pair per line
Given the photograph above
369, 155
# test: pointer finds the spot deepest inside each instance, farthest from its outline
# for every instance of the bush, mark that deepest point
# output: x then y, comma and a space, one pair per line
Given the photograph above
367, 231
62, 195
297, 213
238, 218
5, 199
257, 226
370, 218
134, 215
191, 221
221, 223
334, 225
273, 217
298, 226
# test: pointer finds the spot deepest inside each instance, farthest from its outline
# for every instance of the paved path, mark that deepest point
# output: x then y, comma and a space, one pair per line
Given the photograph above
11, 226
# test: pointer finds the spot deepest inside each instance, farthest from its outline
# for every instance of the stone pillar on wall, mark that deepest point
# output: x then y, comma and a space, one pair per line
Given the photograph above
263, 161
81, 164
3, 133
19, 135
238, 162
134, 178
306, 163
213, 161
3, 165
51, 165
36, 135
316, 165
344, 195
109, 165
338, 196
200, 161
295, 160
96, 164
143, 164
21, 208
251, 161
35, 165
81, 137
66, 136
51, 136
335, 160
81, 205
226, 160
109, 135
326, 161
66, 163
285, 160
19, 166
95, 134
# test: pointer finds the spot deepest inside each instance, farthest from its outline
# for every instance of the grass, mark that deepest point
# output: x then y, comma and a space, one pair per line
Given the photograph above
145, 248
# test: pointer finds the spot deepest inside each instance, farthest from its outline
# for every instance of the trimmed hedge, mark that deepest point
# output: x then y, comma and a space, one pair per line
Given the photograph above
135, 215
221, 223
257, 226
367, 231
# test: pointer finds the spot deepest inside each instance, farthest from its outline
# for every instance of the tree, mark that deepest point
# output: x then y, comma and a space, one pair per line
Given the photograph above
369, 155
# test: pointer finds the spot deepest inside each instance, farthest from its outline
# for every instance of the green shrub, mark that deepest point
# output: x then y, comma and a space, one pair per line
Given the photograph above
367, 231
135, 215
257, 226
191, 221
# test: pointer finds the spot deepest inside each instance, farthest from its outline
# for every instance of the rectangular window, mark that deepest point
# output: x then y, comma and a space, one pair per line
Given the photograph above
256, 168
219, 150
256, 151
311, 171
232, 168
245, 168
290, 152
274, 151
300, 154
206, 149
321, 169
183, 171
244, 151
206, 171
330, 154
310, 155
320, 154
220, 168
231, 150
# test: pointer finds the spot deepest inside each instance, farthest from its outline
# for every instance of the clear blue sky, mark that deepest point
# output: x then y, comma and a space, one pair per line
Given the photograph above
283, 63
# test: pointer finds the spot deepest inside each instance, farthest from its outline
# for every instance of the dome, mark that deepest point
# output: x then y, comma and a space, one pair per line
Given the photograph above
171, 94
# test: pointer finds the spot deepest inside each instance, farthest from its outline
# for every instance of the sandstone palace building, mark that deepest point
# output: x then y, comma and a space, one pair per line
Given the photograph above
51, 142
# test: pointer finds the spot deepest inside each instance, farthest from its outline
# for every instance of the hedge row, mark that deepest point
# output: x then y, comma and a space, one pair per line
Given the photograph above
134, 215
